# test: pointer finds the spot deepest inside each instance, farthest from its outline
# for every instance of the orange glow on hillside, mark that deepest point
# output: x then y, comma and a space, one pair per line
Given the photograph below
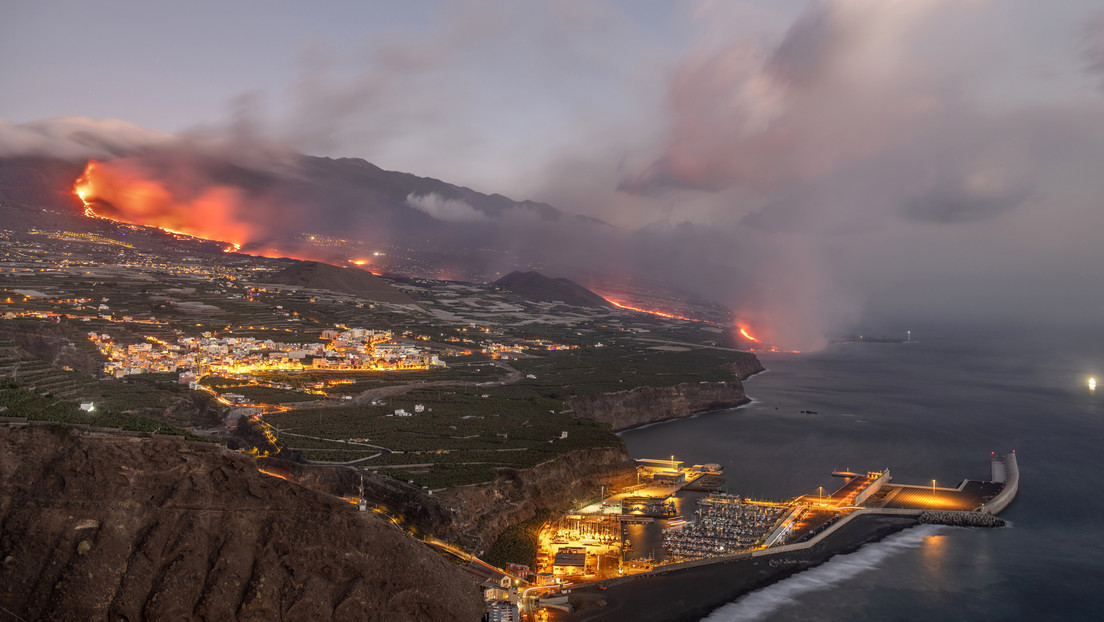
124, 193
747, 335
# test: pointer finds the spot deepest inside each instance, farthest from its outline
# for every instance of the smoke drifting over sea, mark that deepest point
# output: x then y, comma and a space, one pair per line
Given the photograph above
854, 161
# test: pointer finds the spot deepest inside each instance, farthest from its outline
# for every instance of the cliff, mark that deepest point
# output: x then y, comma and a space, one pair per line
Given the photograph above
423, 512
99, 527
481, 512
643, 405
745, 366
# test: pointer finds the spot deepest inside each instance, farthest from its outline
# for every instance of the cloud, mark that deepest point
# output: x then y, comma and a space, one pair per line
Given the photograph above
449, 210
957, 203
839, 86
790, 165
75, 138
1092, 45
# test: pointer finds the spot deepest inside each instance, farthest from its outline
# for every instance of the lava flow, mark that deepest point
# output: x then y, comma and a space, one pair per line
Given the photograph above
747, 335
655, 312
124, 193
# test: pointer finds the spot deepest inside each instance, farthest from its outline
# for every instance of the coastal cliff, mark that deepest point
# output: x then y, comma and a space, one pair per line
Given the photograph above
745, 366
481, 512
98, 526
643, 405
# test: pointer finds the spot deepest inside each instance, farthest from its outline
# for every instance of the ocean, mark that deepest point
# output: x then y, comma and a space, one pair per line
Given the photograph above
933, 408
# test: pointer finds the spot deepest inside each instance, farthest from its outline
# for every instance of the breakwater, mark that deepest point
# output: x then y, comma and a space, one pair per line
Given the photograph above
688, 590
1011, 474
960, 519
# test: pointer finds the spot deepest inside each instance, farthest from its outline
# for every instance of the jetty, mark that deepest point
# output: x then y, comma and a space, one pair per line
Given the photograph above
732, 545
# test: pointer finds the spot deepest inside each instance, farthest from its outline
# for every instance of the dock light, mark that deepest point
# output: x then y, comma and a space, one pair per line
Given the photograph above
1092, 384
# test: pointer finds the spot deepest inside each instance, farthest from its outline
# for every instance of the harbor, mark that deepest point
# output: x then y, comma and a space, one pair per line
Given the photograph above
662, 530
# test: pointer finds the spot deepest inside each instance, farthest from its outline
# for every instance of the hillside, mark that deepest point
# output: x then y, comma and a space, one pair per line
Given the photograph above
535, 286
126, 528
352, 281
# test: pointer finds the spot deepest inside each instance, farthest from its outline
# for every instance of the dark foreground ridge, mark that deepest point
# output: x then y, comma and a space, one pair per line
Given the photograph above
105, 527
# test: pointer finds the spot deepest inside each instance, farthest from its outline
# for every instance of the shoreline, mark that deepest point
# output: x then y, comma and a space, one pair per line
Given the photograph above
690, 593
748, 401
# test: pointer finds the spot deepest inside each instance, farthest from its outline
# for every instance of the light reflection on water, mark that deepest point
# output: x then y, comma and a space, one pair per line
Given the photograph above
928, 410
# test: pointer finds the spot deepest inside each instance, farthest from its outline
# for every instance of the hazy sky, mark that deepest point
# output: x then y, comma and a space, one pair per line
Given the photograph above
872, 158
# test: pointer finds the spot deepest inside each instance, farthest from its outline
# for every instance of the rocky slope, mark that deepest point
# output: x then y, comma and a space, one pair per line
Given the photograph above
643, 405
745, 366
59, 345
536, 286
481, 512
123, 528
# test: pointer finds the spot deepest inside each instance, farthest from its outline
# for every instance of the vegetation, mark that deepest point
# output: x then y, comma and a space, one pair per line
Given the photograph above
23, 403
601, 370
471, 425
518, 544
464, 435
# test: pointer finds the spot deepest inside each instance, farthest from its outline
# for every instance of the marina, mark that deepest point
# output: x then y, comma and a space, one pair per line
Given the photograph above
661, 528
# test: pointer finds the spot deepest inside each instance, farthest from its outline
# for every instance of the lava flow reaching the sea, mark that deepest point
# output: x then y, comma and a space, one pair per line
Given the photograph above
742, 329
154, 194
746, 335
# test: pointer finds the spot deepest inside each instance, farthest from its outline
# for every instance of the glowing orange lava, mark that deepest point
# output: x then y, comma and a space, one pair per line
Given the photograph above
655, 312
274, 473
83, 188
747, 335
126, 193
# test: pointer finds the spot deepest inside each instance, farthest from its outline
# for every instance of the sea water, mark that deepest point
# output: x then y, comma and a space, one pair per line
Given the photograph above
933, 408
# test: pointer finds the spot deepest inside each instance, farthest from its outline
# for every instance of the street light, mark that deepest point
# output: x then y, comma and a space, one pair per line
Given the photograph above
933, 486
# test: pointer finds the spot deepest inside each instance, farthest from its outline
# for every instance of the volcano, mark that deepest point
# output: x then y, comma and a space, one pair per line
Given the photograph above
352, 281
537, 287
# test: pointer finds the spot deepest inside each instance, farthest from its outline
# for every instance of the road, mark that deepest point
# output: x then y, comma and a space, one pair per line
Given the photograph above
512, 376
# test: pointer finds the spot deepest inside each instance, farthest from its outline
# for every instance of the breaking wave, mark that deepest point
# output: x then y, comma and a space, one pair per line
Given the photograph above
761, 603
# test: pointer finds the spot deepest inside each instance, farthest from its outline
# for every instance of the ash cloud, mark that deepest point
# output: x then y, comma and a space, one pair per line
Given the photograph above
866, 155
900, 158
75, 138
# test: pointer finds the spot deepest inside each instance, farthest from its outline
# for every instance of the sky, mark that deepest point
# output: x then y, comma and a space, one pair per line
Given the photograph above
869, 161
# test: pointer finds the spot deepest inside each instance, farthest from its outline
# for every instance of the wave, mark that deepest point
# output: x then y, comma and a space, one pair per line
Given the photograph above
761, 603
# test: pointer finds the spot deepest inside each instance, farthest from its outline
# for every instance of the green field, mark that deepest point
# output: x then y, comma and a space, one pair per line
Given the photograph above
464, 435
600, 370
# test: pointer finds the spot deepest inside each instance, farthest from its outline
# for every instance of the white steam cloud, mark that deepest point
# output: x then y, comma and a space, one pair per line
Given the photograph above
449, 210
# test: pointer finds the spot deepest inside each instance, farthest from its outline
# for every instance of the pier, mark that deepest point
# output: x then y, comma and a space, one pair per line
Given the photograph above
732, 545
